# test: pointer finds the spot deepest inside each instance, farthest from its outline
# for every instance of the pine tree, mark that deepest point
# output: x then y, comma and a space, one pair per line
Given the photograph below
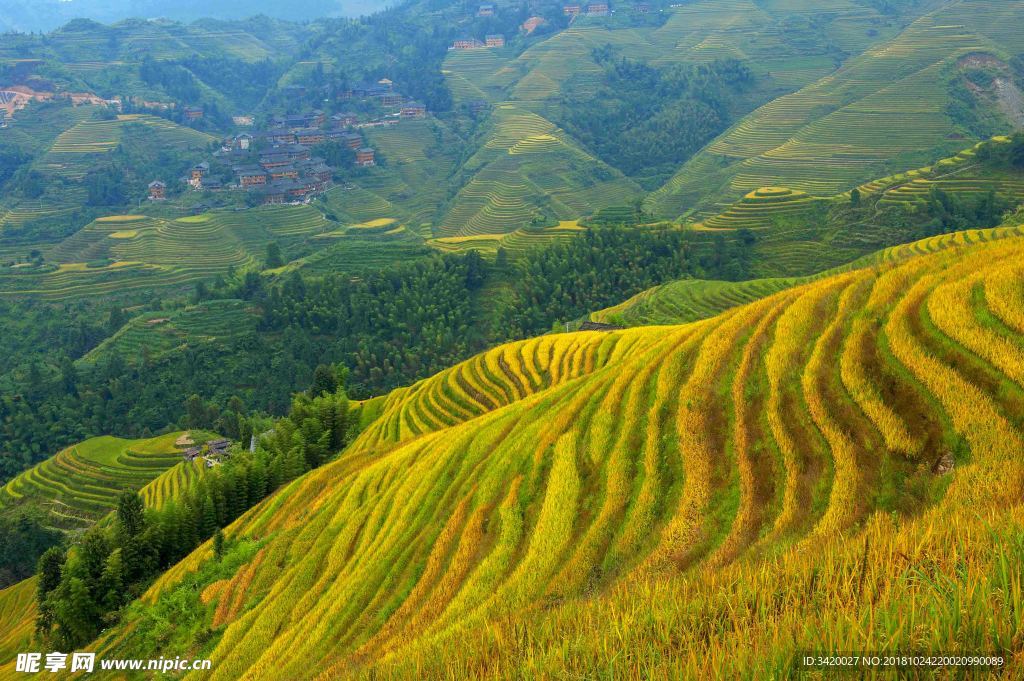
50, 565
93, 552
325, 381
294, 463
131, 509
112, 582
207, 517
257, 481
218, 544
274, 258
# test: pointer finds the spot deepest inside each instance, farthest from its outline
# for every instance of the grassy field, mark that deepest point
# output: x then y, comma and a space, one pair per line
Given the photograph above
80, 484
543, 507
886, 107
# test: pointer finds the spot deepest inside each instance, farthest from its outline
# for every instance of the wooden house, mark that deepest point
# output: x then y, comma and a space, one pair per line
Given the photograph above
274, 159
598, 326
192, 113
413, 110
597, 9
344, 120
279, 136
157, 190
485, 10
466, 44
283, 173
352, 140
365, 157
252, 176
495, 40
315, 169
571, 10
196, 174
273, 193
309, 136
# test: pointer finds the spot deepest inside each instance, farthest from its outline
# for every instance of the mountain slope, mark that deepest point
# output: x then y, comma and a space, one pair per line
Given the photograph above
527, 169
885, 106
488, 500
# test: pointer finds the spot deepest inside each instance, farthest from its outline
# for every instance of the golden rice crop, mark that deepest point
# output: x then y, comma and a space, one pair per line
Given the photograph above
698, 501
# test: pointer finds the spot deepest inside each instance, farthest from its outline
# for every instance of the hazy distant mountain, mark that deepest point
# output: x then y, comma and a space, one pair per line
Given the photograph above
46, 15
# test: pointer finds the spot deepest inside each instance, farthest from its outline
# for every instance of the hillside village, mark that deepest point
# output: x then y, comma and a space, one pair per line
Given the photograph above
278, 163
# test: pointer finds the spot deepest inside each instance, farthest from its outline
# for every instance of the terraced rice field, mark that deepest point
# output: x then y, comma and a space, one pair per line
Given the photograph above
515, 243
688, 300
76, 149
80, 484
164, 252
160, 332
833, 134
526, 170
962, 175
761, 208
172, 483
704, 488
17, 619
361, 248
778, 48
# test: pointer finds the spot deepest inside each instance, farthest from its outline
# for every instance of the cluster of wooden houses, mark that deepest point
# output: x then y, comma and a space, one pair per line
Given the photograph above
216, 452
494, 40
594, 9
276, 162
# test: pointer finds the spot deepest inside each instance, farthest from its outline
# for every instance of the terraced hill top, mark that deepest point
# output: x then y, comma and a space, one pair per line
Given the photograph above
528, 170
689, 300
874, 415
80, 484
882, 107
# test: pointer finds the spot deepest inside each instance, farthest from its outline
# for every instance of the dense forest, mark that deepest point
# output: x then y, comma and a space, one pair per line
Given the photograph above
647, 121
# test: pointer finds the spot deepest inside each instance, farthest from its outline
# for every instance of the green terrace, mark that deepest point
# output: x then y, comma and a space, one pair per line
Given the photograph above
80, 484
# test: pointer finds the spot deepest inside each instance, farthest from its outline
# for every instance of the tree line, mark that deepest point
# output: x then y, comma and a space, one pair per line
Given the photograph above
81, 589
